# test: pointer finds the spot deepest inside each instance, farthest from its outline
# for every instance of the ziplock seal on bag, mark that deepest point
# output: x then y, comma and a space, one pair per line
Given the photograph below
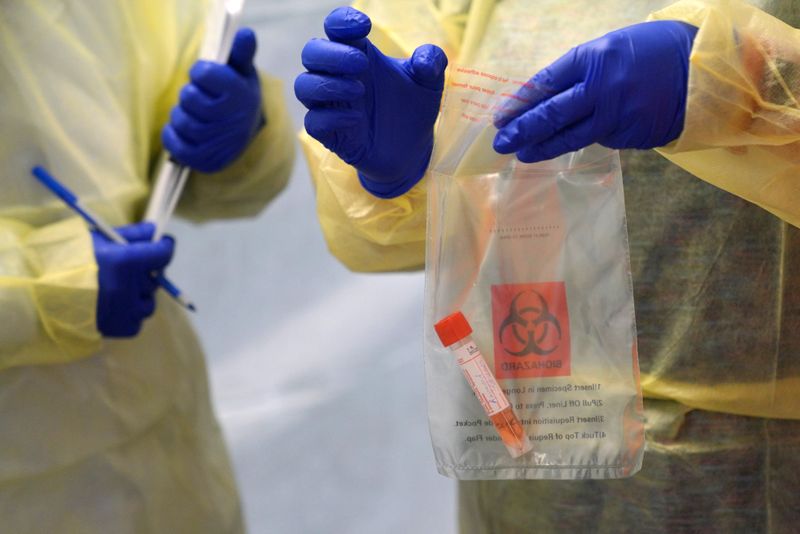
536, 258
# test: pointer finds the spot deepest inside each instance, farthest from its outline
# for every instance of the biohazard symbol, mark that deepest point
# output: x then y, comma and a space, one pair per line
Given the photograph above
532, 326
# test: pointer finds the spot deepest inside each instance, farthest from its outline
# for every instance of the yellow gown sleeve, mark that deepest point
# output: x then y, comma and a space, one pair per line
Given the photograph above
742, 130
256, 177
364, 232
48, 293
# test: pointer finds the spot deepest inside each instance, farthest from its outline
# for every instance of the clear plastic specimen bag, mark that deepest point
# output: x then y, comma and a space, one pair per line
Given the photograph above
536, 258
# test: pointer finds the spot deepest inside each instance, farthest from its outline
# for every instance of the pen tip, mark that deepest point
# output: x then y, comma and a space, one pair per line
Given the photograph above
191, 307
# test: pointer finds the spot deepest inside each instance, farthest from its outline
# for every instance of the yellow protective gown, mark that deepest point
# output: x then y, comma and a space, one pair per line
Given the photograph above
716, 277
106, 435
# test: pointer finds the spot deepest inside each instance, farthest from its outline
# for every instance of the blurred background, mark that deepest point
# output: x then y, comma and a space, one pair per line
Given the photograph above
317, 373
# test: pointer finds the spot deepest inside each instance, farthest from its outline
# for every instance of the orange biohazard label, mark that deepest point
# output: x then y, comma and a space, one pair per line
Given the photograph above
531, 330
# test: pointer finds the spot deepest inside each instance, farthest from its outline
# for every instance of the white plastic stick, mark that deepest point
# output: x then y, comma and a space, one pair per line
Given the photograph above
171, 201
160, 189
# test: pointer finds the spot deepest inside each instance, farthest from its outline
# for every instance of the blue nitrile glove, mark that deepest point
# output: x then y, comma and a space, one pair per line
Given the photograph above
219, 111
126, 278
375, 112
626, 89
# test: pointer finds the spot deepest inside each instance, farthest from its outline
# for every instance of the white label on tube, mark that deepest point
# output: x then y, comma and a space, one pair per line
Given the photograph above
481, 379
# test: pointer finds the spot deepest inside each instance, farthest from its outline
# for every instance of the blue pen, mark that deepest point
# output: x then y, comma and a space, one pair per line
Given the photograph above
104, 228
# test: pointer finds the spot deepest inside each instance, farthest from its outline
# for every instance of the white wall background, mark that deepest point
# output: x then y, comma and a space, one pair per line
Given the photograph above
316, 372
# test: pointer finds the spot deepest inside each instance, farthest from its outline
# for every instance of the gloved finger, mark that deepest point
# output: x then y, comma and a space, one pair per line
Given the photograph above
164, 250
526, 98
151, 283
214, 79
348, 25
129, 319
243, 51
568, 140
321, 123
131, 327
339, 131
216, 153
137, 232
179, 148
147, 306
152, 256
198, 103
427, 65
315, 89
549, 117
194, 130
320, 55
559, 76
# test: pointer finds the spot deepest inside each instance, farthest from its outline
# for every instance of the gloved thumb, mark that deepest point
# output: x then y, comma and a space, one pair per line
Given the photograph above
243, 50
136, 232
427, 65
348, 25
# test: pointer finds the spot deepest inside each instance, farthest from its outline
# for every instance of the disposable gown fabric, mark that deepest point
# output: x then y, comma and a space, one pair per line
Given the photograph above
703, 472
742, 130
715, 288
101, 434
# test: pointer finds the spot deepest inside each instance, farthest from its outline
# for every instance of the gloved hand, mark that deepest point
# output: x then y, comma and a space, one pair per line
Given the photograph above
626, 89
219, 111
127, 278
375, 112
